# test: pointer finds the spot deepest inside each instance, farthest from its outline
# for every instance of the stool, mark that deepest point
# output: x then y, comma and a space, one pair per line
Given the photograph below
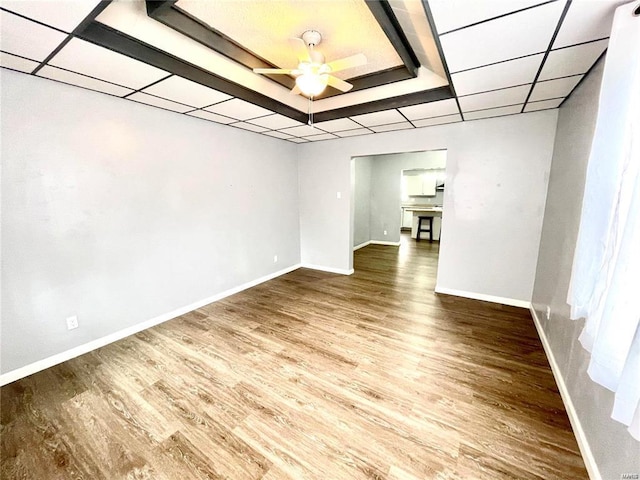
420, 229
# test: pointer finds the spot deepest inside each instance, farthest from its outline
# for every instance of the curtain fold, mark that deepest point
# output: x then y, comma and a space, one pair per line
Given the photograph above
605, 279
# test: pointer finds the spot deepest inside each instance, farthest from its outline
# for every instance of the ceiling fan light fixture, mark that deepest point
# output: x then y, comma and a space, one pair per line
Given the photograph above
312, 84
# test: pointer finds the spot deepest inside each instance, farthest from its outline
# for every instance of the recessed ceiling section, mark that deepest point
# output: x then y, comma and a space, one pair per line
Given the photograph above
265, 26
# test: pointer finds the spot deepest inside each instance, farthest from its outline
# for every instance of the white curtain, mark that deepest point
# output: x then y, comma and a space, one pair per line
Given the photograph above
605, 280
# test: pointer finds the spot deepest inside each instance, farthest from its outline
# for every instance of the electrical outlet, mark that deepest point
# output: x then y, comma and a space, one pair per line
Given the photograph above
385, 232
338, 195
72, 322
548, 312
275, 259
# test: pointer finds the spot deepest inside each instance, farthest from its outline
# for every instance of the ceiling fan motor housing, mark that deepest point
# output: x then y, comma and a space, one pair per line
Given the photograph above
312, 38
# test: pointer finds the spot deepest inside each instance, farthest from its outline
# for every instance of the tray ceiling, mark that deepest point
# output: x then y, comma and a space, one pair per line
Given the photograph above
431, 63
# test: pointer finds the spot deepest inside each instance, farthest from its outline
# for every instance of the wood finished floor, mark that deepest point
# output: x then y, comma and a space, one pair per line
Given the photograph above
310, 375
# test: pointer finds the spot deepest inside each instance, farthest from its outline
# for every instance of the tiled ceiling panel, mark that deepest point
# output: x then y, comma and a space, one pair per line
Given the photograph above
238, 109
72, 78
559, 87
250, 126
587, 20
428, 122
17, 63
185, 91
572, 60
62, 14
275, 122
502, 39
497, 98
26, 38
338, 125
452, 14
427, 110
353, 133
159, 102
94, 61
379, 118
543, 105
493, 112
499, 75
392, 127
212, 117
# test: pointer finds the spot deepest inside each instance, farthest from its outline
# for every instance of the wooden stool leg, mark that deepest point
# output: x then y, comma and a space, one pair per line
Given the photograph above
430, 229
419, 229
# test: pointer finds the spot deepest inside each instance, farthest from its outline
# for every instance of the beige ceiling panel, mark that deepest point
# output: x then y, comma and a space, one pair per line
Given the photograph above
26, 38
432, 109
298, 140
276, 122
429, 122
302, 131
543, 105
185, 91
516, 35
249, 126
63, 14
587, 20
354, 132
494, 112
89, 59
82, 81
560, 87
451, 14
497, 98
281, 135
392, 127
238, 109
322, 136
572, 60
159, 102
17, 63
213, 117
500, 75
379, 118
265, 26
338, 125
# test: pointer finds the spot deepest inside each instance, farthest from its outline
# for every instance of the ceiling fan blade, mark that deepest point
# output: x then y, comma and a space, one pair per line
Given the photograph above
348, 62
273, 71
295, 90
341, 85
300, 49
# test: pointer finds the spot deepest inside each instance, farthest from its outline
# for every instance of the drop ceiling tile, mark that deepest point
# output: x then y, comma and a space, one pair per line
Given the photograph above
338, 125
185, 91
497, 98
302, 130
73, 78
493, 112
159, 102
249, 126
62, 14
17, 63
585, 21
500, 75
428, 122
544, 104
560, 87
238, 109
276, 122
391, 127
94, 61
213, 117
278, 135
379, 118
516, 35
324, 136
451, 14
28, 39
432, 109
354, 132
572, 60
297, 140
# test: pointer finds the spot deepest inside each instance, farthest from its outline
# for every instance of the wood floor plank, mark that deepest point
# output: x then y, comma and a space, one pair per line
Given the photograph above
312, 375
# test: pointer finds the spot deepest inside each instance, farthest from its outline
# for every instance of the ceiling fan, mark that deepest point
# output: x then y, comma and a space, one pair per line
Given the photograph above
313, 74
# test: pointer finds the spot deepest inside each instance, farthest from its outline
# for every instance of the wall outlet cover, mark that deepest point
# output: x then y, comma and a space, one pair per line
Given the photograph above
72, 322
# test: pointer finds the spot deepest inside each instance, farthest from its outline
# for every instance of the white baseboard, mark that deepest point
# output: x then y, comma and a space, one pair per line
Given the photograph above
341, 271
583, 444
487, 298
381, 242
358, 247
48, 362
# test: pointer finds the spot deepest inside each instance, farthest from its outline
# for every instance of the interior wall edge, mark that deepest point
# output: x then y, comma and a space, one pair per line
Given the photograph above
513, 302
578, 431
48, 362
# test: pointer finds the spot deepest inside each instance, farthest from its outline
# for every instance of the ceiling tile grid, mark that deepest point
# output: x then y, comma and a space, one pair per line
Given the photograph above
504, 57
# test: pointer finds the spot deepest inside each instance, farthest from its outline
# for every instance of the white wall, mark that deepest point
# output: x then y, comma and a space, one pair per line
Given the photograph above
497, 171
118, 212
614, 450
361, 178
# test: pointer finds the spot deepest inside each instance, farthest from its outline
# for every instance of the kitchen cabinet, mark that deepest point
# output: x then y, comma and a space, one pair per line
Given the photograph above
421, 185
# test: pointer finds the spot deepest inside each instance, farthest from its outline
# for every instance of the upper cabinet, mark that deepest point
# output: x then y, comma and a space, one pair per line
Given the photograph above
421, 185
